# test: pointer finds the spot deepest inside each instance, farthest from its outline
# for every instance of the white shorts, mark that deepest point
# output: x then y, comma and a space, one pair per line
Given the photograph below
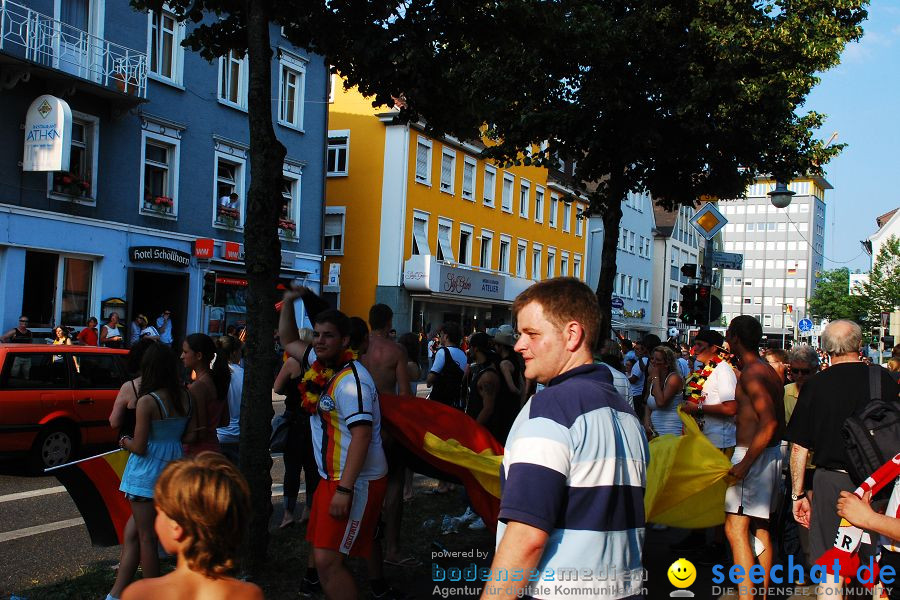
757, 494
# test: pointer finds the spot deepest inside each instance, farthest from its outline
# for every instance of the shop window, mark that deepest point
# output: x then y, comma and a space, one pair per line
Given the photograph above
465, 244
233, 80
448, 170
538, 204
291, 90
229, 193
333, 235
487, 243
468, 181
505, 243
423, 161
506, 198
420, 235
165, 50
78, 183
490, 185
445, 246
52, 295
338, 153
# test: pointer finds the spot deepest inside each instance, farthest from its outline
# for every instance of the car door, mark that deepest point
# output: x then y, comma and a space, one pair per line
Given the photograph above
97, 379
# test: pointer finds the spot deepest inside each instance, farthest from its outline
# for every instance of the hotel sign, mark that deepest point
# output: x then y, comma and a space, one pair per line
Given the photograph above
158, 254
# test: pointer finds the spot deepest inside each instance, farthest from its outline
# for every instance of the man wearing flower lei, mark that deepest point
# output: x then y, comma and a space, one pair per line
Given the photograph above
342, 400
709, 390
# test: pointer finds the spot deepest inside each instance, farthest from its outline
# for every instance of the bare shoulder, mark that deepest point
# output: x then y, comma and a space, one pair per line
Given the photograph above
234, 589
147, 588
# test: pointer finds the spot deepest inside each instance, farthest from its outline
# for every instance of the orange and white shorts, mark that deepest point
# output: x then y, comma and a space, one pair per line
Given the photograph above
353, 535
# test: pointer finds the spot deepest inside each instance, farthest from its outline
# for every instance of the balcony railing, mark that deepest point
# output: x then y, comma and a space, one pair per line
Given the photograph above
43, 40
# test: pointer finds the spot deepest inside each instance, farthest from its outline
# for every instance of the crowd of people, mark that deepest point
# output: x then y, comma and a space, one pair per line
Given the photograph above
109, 335
573, 410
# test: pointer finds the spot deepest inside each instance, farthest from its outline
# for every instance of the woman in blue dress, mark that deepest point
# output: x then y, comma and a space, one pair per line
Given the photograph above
163, 420
666, 392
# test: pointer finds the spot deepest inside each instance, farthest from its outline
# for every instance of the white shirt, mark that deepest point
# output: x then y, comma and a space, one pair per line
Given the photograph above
458, 356
621, 383
637, 388
231, 433
719, 388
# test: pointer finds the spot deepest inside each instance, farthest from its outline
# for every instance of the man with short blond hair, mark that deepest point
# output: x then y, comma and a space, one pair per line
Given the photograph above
582, 446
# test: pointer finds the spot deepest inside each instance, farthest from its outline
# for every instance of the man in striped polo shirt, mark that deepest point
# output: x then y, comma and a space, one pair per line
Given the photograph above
574, 469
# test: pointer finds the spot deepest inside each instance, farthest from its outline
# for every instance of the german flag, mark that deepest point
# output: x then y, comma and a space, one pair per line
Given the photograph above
93, 484
450, 442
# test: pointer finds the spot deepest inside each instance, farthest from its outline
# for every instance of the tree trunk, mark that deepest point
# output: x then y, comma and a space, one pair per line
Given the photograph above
263, 263
612, 216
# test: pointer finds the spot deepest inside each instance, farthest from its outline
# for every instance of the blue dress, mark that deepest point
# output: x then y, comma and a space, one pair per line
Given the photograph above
666, 420
163, 446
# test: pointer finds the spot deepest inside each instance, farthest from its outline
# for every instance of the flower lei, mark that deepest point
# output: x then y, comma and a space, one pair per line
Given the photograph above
316, 380
693, 386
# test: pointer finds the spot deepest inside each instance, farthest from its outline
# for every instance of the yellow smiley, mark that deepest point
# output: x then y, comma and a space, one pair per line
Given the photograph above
682, 573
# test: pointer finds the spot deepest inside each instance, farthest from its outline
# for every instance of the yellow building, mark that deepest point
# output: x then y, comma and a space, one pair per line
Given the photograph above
425, 226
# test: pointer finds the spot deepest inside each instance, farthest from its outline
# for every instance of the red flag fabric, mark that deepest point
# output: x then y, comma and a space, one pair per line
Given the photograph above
93, 484
451, 442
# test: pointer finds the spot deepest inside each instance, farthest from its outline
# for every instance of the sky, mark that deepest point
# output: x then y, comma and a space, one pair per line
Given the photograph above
861, 97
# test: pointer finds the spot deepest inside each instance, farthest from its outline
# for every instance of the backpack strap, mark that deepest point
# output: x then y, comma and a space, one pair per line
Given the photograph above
447, 357
875, 382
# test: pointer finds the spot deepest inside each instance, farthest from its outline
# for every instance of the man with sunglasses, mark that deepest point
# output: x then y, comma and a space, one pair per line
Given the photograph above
18, 334
709, 391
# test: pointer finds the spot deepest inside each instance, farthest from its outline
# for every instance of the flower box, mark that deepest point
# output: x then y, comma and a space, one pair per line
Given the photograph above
70, 184
287, 228
160, 204
230, 217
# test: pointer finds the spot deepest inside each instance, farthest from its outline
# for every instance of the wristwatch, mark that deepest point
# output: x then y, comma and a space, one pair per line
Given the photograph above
799, 496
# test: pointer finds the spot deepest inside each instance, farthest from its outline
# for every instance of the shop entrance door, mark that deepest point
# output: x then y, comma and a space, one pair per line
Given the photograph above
152, 292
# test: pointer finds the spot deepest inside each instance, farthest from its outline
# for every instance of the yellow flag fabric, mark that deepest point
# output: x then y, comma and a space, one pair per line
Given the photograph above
485, 467
686, 479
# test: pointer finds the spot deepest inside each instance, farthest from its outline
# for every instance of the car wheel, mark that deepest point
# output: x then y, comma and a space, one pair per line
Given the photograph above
54, 446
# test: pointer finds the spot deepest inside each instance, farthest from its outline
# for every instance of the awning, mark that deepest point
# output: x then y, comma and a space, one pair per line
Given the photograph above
462, 301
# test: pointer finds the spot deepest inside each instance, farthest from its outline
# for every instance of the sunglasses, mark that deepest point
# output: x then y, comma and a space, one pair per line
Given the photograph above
800, 371
23, 321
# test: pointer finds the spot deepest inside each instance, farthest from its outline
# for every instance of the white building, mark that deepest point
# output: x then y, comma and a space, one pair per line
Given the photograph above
675, 243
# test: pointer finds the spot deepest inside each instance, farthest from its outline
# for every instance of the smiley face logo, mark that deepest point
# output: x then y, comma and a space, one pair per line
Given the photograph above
682, 573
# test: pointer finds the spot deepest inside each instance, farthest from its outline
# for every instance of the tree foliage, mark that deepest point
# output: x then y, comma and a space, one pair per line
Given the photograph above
832, 300
883, 287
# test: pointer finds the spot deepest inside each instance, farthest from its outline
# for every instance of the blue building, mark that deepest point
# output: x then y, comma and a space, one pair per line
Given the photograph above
633, 284
159, 169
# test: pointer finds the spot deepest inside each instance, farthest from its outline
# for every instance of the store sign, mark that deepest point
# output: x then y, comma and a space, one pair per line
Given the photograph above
204, 247
158, 254
334, 274
233, 251
232, 281
472, 284
48, 135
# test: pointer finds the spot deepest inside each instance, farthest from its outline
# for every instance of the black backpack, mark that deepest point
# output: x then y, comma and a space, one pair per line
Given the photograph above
447, 387
872, 433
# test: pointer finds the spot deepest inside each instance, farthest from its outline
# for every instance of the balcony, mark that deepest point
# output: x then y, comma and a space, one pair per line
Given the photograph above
61, 51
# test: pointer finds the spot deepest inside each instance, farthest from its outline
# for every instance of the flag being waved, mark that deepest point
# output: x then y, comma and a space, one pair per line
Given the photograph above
93, 484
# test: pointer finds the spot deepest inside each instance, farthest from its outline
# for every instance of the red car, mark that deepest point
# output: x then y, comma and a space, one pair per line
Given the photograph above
56, 399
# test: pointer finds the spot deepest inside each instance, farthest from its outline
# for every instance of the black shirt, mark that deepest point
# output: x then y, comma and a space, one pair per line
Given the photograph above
825, 402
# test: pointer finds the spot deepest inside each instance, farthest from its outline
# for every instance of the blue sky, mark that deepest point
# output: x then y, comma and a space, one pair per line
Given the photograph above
861, 97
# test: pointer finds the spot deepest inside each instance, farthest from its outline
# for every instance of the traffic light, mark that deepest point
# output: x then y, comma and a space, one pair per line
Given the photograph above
209, 287
689, 270
688, 304
888, 341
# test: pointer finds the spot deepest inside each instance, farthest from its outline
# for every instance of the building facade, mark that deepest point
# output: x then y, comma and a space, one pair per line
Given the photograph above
156, 187
429, 228
676, 243
783, 254
634, 281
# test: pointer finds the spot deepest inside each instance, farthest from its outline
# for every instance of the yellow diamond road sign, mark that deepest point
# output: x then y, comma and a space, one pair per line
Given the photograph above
708, 221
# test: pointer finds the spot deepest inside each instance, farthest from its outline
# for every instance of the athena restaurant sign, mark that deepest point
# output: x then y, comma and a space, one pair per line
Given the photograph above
48, 132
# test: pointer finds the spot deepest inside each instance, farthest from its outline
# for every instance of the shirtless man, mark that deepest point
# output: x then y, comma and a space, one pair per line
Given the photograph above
386, 361
757, 457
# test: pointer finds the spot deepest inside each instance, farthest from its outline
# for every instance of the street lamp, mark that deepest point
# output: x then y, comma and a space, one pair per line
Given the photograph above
781, 196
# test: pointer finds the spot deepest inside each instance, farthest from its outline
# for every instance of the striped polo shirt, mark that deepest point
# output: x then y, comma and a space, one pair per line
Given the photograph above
350, 399
575, 466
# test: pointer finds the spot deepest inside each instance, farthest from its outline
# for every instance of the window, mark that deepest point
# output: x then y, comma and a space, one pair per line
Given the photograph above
579, 221
751, 227
524, 191
420, 234
338, 153
576, 266
291, 90
465, 244
290, 202
448, 170
630, 240
567, 218
564, 264
748, 300
538, 204
233, 80
59, 289
506, 198
97, 372
767, 320
333, 235
78, 183
159, 179
445, 246
164, 47
468, 181
536, 252
628, 287
490, 185
647, 248
487, 247
770, 226
554, 208
551, 258
35, 370
505, 243
423, 161
521, 257
229, 191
